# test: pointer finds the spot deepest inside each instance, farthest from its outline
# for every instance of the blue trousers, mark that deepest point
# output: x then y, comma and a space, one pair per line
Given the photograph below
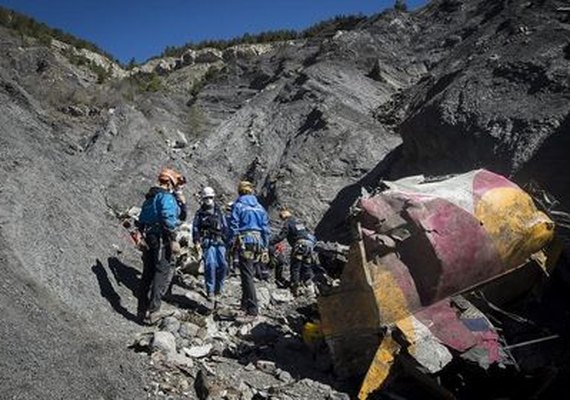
215, 268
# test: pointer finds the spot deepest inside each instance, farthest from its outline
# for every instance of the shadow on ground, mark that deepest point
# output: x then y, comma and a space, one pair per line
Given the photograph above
109, 293
124, 274
334, 225
270, 342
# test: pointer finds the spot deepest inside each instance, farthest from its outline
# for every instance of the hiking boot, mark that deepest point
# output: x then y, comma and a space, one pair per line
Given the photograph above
217, 302
295, 290
152, 318
141, 317
281, 283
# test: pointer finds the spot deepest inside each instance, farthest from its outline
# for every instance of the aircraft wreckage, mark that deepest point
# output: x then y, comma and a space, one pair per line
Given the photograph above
420, 245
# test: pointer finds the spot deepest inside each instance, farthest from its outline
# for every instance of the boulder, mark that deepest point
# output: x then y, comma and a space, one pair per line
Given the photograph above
188, 330
164, 342
170, 324
263, 296
179, 359
208, 56
266, 366
188, 57
198, 351
280, 296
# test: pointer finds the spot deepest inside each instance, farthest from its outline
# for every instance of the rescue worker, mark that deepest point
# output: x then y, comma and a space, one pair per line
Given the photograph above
277, 262
210, 231
302, 243
249, 235
158, 222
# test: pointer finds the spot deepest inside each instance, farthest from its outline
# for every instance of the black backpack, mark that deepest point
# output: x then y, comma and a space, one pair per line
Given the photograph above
211, 223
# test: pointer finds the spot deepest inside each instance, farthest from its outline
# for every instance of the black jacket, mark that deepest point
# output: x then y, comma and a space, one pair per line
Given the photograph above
293, 230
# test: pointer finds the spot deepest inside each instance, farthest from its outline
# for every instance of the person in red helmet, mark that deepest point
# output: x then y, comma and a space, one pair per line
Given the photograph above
160, 216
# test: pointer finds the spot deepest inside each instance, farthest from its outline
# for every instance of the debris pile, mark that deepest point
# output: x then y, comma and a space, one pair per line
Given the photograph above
419, 297
420, 245
207, 350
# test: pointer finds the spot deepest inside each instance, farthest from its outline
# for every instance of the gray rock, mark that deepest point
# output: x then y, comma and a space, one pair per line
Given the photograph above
284, 376
211, 326
188, 330
208, 386
266, 366
280, 296
263, 296
170, 324
188, 57
198, 351
164, 342
337, 396
199, 299
218, 347
179, 359
76, 111
208, 56
181, 342
144, 340
318, 135
165, 66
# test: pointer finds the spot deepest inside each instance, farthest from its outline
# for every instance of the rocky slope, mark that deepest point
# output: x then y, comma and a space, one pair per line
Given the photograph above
456, 85
495, 96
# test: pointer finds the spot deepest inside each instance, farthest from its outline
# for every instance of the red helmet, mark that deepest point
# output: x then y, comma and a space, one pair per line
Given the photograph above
168, 175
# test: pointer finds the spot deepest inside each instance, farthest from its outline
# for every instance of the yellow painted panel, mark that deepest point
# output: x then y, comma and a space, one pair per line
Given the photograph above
390, 298
516, 227
380, 367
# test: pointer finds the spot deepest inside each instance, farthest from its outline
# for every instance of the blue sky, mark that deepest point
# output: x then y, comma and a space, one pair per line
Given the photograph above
143, 28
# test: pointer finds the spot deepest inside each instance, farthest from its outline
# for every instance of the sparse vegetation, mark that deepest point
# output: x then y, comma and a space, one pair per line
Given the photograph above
29, 27
196, 120
132, 63
81, 61
325, 28
210, 74
146, 81
400, 5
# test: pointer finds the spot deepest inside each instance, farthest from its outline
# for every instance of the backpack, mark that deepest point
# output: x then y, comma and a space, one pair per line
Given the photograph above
299, 231
211, 223
149, 212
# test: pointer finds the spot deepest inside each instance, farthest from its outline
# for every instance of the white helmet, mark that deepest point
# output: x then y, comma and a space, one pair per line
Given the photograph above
208, 192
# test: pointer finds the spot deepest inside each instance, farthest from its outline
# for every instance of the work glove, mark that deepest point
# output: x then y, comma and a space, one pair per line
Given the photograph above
175, 247
265, 257
181, 198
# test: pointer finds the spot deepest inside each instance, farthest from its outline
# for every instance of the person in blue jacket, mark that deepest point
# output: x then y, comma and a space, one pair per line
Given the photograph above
249, 235
210, 231
158, 222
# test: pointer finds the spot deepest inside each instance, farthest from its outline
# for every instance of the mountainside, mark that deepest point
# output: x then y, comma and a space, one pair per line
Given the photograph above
453, 86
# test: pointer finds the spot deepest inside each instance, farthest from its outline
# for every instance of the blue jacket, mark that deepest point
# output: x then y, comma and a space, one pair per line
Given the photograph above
160, 208
248, 215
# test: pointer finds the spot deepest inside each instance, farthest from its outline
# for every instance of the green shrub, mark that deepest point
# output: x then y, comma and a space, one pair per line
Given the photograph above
210, 75
400, 5
82, 61
196, 120
327, 27
146, 81
29, 27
